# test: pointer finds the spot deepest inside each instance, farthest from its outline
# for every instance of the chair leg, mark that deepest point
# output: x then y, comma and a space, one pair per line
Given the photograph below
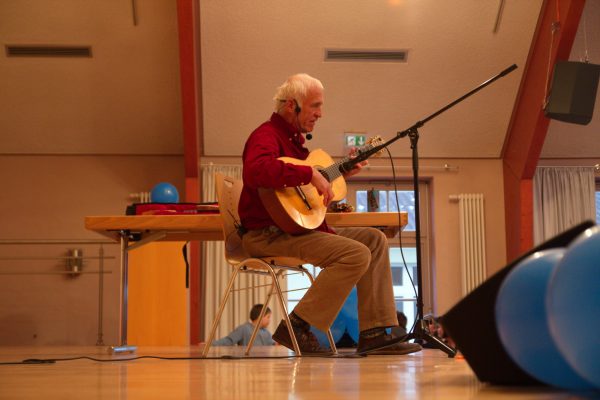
286, 317
275, 288
257, 327
331, 342
217, 319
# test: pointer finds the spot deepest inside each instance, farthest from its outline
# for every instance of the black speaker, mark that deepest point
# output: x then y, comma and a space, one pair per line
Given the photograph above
573, 92
471, 323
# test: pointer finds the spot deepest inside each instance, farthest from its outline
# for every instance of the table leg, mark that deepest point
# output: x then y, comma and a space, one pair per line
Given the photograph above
123, 347
124, 284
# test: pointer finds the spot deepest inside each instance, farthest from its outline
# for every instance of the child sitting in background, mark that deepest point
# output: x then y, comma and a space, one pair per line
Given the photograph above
241, 335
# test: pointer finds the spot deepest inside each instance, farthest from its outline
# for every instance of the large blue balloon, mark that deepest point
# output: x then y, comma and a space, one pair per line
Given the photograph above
573, 302
346, 321
164, 192
337, 331
349, 314
521, 318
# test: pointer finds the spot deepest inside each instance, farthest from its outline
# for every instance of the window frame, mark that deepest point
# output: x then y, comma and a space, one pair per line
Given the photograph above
597, 198
408, 238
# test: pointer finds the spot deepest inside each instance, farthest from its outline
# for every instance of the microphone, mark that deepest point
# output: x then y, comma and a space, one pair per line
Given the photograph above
308, 136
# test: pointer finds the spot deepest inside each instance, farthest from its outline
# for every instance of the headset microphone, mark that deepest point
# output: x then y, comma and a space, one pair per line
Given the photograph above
298, 109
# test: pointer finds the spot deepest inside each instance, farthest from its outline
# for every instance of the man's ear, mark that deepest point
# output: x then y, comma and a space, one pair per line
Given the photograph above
290, 105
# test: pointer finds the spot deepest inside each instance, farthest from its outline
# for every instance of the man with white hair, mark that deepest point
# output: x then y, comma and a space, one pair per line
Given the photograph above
349, 256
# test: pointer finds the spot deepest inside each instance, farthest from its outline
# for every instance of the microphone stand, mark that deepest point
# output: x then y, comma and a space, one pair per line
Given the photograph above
419, 331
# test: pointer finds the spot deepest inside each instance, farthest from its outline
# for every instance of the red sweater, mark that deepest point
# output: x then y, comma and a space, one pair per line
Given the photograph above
274, 138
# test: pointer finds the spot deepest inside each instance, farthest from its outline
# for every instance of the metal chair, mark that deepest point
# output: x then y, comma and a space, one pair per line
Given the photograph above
228, 194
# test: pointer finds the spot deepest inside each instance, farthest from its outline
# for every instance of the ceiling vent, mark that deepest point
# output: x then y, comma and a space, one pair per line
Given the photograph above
48, 51
400, 56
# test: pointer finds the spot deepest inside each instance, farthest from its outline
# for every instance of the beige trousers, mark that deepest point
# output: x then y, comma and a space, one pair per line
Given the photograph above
354, 257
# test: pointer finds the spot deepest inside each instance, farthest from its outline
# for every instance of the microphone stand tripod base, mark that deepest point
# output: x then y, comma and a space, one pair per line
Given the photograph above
421, 334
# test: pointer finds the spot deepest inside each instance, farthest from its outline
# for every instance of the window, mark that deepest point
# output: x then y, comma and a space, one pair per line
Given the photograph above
297, 285
597, 206
597, 201
390, 200
404, 294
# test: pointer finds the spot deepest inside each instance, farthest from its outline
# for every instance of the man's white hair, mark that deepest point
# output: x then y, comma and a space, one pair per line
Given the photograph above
295, 87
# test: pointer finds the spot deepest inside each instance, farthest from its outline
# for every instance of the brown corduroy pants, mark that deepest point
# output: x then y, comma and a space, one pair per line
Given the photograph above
354, 257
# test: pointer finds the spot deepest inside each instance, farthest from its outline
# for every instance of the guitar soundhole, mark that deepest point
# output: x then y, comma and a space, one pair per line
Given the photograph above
325, 174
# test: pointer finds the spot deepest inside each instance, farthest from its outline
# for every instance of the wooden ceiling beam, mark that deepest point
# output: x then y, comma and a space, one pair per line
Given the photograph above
553, 39
188, 26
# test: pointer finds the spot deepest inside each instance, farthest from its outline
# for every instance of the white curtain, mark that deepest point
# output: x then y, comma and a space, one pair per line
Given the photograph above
562, 198
216, 273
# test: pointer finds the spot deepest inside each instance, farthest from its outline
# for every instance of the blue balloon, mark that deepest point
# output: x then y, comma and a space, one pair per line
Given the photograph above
346, 321
337, 331
349, 314
573, 302
164, 192
521, 318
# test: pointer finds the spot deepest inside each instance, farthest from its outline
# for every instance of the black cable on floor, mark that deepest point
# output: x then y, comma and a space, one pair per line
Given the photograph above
38, 361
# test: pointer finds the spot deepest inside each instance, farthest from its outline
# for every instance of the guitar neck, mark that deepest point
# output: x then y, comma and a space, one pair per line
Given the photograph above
339, 168
334, 171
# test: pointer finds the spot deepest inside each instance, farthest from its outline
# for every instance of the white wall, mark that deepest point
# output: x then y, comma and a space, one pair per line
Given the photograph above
249, 48
46, 198
125, 99
77, 136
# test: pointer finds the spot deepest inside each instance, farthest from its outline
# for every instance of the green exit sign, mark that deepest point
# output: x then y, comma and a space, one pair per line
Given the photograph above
355, 139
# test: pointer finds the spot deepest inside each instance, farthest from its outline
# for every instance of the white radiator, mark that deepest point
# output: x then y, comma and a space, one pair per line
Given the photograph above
141, 197
472, 239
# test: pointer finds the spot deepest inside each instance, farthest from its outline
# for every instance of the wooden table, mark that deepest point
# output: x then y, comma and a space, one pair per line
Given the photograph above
208, 226
134, 231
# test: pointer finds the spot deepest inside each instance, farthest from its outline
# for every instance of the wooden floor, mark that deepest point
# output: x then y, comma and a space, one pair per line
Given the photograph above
429, 374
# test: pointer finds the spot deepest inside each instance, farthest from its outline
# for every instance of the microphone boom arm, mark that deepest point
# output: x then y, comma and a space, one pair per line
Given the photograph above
362, 156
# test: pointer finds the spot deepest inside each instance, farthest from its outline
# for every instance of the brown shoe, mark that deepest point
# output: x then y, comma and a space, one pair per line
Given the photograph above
307, 341
398, 349
366, 346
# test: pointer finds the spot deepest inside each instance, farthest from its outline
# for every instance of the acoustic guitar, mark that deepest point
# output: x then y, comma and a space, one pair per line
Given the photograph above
300, 209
